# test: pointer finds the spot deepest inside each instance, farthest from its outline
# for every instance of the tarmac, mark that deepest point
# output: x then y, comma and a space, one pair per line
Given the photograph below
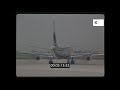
41, 68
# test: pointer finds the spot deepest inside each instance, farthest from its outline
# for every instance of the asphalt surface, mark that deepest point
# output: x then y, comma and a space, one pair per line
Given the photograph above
33, 68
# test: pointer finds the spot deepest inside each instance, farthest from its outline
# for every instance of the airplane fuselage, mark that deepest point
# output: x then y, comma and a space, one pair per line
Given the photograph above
61, 53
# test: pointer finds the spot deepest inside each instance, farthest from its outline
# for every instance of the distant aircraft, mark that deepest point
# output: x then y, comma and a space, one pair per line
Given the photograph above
62, 53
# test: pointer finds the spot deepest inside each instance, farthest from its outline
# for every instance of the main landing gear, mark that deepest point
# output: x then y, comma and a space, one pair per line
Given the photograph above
37, 58
71, 62
50, 62
68, 61
88, 58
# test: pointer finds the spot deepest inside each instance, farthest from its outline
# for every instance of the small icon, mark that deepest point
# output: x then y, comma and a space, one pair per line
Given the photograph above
95, 22
98, 22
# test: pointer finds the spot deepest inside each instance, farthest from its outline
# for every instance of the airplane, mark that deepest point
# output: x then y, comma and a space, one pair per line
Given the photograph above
62, 52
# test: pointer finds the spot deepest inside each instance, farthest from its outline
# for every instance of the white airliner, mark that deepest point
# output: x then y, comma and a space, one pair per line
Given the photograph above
62, 53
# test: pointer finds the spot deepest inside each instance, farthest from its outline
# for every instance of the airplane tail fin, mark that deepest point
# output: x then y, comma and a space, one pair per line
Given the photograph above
54, 36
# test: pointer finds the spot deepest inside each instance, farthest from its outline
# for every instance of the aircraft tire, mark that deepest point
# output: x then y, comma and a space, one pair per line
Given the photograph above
50, 62
37, 58
88, 58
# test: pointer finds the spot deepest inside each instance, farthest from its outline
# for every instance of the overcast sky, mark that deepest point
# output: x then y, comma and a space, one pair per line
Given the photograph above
35, 31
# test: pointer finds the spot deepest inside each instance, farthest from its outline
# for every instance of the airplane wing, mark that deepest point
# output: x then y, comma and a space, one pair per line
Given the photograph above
85, 55
38, 55
80, 54
101, 54
47, 55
